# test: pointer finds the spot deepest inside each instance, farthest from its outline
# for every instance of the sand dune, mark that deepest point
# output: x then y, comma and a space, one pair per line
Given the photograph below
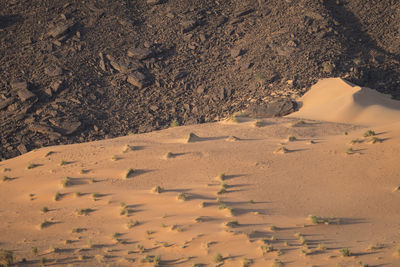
224, 198
337, 100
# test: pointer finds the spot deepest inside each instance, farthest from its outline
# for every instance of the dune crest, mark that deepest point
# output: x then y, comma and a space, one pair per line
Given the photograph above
337, 100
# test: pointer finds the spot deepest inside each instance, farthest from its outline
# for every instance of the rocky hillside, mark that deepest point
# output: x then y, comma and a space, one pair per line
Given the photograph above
75, 71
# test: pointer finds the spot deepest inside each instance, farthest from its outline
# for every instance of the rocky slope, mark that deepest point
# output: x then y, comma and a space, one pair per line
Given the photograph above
74, 71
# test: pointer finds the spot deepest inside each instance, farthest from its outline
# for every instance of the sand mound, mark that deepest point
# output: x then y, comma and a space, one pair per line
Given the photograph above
337, 100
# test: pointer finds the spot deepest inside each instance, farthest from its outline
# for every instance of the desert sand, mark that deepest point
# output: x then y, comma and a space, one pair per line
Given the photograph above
238, 192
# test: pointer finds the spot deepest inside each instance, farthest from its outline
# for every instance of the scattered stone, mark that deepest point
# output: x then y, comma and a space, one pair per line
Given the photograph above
59, 30
53, 70
274, 109
102, 63
139, 53
118, 65
328, 67
153, 2
5, 103
22, 148
19, 85
244, 12
69, 127
56, 85
25, 94
180, 74
200, 89
236, 52
43, 129
137, 79
188, 25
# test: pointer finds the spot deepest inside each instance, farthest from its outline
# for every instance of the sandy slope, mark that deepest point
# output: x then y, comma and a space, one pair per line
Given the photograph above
264, 189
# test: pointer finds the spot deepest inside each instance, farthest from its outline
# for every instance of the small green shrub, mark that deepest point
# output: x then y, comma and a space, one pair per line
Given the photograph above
218, 258
369, 133
345, 252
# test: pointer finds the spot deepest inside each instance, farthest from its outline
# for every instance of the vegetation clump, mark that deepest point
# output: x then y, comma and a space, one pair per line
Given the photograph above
345, 252
157, 189
369, 133
218, 258
323, 220
183, 196
6, 258
129, 173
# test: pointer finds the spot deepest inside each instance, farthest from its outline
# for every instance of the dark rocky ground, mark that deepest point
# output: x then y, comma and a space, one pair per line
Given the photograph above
76, 71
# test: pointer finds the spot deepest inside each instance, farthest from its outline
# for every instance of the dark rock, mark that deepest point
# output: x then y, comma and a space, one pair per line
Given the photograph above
69, 127
56, 85
5, 103
153, 2
188, 25
137, 79
25, 94
273, 109
59, 30
53, 70
139, 53
43, 129
180, 74
200, 89
19, 85
236, 52
244, 12
22, 149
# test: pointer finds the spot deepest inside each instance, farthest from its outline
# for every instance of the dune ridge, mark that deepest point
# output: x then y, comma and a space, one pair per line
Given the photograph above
338, 100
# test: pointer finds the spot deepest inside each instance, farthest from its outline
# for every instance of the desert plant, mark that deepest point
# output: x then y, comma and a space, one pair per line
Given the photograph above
247, 262
45, 209
122, 204
57, 196
6, 178
63, 162
345, 252
129, 173
42, 261
44, 224
398, 251
49, 153
369, 133
374, 140
90, 243
141, 248
291, 138
182, 196
267, 248
277, 263
84, 212
232, 224
321, 247
258, 123
32, 165
221, 177
128, 148
95, 196
92, 181
281, 150
158, 189
131, 223
174, 123
35, 251
6, 257
66, 181
169, 155
78, 194
323, 220
273, 228
349, 151
218, 258
222, 190
298, 123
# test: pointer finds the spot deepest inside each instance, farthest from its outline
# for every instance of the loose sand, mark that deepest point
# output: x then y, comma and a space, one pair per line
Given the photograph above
107, 216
